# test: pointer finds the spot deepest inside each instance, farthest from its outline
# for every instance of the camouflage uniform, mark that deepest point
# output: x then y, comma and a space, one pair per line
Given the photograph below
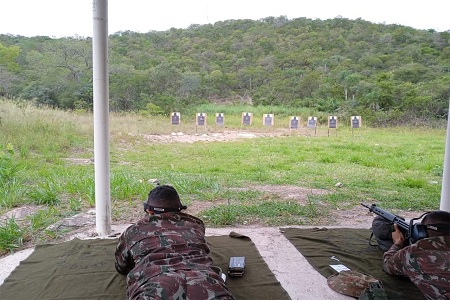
165, 256
426, 263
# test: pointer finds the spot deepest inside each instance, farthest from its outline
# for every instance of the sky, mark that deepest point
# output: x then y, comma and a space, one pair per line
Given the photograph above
69, 18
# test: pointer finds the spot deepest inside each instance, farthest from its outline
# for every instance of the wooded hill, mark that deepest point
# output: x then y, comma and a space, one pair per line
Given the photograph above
389, 72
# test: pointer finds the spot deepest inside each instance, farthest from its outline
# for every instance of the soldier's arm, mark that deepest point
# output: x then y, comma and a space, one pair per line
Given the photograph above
394, 260
123, 260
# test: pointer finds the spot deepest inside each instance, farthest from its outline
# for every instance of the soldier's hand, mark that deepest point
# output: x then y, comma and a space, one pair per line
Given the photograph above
397, 236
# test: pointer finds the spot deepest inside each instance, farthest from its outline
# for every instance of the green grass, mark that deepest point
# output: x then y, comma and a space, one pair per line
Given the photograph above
45, 159
266, 211
11, 236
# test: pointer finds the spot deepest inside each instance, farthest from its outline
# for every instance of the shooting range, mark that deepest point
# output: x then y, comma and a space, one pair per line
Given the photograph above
270, 271
345, 238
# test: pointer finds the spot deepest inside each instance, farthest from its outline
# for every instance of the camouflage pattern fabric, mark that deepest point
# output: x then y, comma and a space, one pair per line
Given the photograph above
350, 282
426, 263
165, 256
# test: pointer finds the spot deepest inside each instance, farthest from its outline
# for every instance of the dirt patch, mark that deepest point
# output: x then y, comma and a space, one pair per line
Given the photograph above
20, 213
288, 192
196, 207
225, 136
80, 161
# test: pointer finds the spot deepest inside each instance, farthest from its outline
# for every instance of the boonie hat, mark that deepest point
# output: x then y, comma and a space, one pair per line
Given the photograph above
351, 283
164, 196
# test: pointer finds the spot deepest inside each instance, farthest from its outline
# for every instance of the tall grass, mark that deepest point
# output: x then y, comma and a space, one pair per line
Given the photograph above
46, 158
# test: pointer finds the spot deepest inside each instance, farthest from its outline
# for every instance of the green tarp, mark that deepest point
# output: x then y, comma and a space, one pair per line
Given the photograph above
84, 269
350, 247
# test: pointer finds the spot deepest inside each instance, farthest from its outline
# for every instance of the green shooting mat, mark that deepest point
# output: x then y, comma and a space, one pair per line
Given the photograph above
84, 269
350, 247
258, 282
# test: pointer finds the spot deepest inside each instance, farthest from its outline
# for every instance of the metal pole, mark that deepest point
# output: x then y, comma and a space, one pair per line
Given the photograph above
101, 116
445, 194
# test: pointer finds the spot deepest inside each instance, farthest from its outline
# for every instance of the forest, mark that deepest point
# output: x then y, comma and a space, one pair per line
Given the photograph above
391, 74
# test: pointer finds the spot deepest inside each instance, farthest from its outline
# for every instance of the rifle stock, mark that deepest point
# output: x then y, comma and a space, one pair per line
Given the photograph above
404, 226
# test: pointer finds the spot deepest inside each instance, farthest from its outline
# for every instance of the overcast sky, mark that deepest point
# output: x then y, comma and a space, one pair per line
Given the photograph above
57, 18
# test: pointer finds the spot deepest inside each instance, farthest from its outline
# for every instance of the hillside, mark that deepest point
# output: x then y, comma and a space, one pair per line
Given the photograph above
388, 73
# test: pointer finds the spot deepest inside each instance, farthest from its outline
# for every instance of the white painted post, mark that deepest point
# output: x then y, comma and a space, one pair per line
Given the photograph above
101, 116
445, 194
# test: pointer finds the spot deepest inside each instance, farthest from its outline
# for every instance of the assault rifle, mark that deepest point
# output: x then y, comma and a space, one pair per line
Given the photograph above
404, 226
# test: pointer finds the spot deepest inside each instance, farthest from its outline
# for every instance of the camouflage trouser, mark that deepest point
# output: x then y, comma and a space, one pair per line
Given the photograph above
183, 285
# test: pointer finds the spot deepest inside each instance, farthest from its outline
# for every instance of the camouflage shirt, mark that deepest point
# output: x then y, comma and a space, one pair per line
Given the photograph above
426, 263
165, 256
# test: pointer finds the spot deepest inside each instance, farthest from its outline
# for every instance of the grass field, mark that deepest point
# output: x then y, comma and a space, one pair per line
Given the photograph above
45, 159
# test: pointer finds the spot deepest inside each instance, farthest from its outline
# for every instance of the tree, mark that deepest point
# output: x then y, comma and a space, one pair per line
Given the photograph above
59, 72
164, 79
127, 86
412, 72
8, 57
8, 68
385, 87
308, 84
190, 83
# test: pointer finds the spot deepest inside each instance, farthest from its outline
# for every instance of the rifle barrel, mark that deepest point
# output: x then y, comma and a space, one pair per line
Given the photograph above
388, 216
